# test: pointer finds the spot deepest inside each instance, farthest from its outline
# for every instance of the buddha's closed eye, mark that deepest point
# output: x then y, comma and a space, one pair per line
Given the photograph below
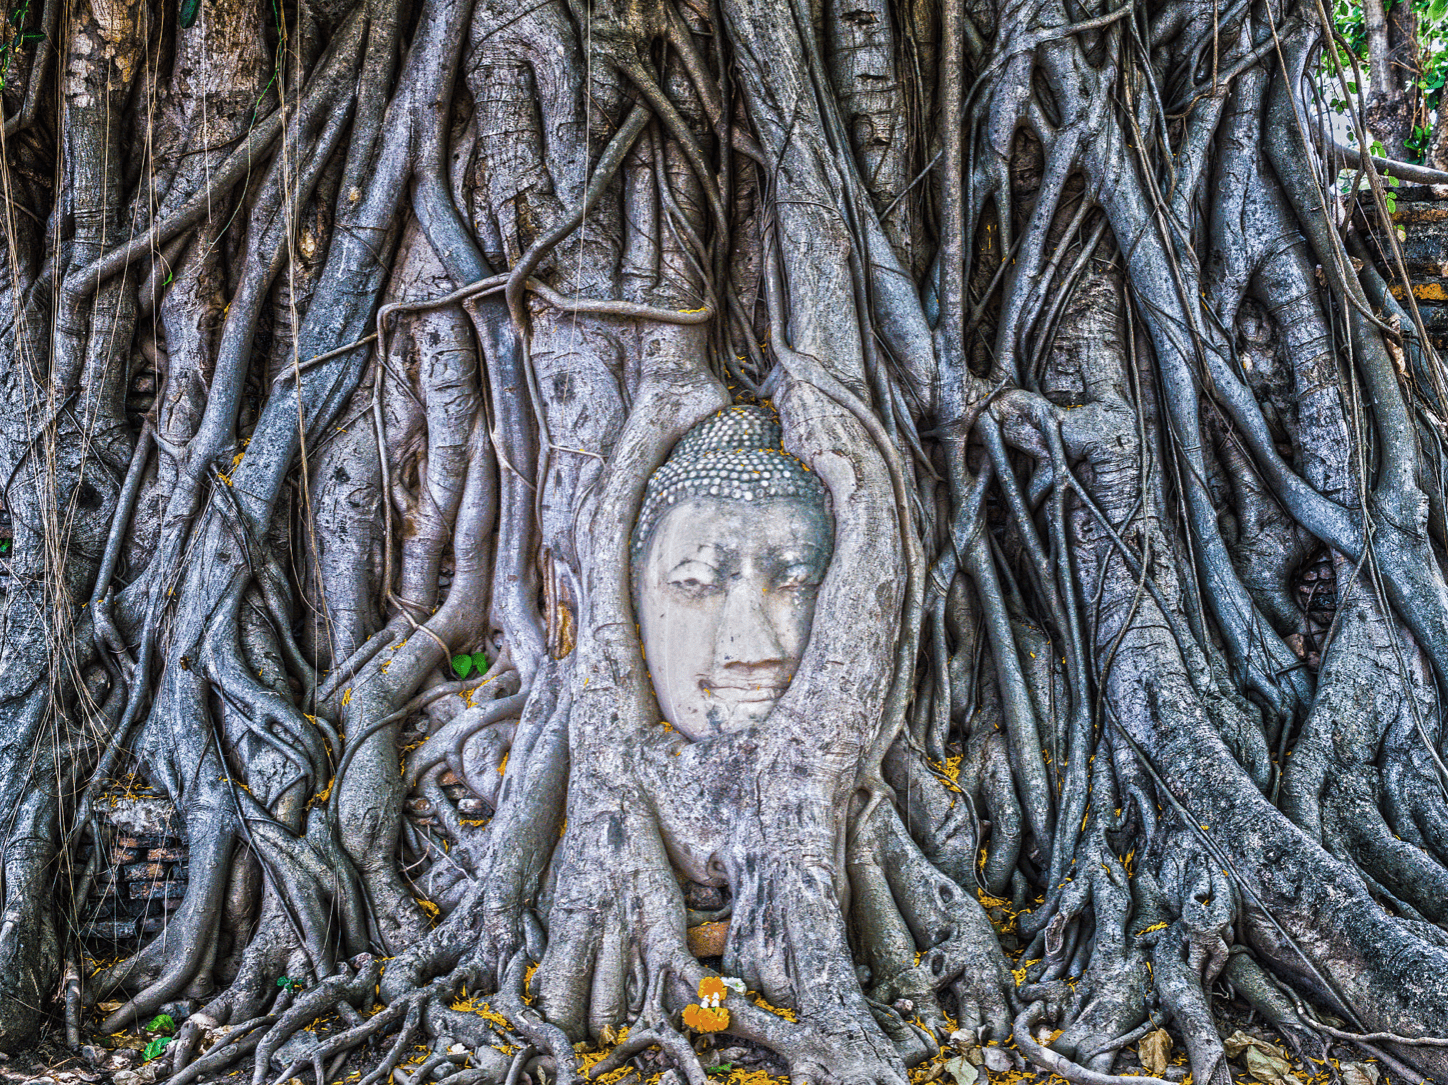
695, 578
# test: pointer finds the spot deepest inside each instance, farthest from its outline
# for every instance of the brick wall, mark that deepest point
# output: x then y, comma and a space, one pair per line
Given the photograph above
1423, 218
141, 871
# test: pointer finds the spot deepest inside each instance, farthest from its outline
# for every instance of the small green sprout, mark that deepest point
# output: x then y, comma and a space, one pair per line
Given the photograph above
464, 665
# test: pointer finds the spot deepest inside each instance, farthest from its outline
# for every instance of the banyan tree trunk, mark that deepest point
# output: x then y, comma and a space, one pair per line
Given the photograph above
344, 341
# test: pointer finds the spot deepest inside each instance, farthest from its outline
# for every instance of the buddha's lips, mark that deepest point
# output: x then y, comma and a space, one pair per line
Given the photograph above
745, 693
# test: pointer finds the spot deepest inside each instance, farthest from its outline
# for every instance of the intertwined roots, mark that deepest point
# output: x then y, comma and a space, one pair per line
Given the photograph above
347, 339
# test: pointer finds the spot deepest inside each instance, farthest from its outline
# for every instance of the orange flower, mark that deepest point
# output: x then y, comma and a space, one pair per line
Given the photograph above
706, 1018
712, 990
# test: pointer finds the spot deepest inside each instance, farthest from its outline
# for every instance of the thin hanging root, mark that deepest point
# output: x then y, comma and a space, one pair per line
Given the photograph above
495, 284
609, 163
330, 82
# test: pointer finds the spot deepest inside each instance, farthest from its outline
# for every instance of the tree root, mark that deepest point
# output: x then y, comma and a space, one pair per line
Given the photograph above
1047, 1059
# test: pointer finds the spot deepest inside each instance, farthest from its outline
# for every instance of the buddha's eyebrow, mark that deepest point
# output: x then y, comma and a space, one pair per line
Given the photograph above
710, 554
691, 561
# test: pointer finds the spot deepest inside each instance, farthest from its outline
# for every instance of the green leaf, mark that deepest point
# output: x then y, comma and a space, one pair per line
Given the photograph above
31, 36
462, 665
155, 1047
190, 9
162, 1022
5, 545
722, 1068
1377, 149
480, 661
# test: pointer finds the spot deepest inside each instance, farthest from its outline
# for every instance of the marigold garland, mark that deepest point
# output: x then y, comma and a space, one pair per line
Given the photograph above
707, 1015
706, 1018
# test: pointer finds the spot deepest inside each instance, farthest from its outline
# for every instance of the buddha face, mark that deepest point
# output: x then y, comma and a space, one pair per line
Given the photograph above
726, 592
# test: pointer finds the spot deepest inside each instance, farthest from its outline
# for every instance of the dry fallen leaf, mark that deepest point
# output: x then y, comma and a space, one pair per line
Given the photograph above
1154, 1050
1264, 1062
1268, 1069
1239, 1041
1359, 1073
963, 1072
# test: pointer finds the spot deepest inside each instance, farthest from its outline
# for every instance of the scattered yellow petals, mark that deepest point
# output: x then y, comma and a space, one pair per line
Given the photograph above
778, 1011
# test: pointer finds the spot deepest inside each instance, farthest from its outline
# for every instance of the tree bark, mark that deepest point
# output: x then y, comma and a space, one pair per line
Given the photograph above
345, 341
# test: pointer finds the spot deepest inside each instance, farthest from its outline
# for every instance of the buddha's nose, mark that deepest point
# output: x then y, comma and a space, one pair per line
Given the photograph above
746, 635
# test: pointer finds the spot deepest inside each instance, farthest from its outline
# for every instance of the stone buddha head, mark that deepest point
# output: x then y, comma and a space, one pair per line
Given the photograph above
730, 547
